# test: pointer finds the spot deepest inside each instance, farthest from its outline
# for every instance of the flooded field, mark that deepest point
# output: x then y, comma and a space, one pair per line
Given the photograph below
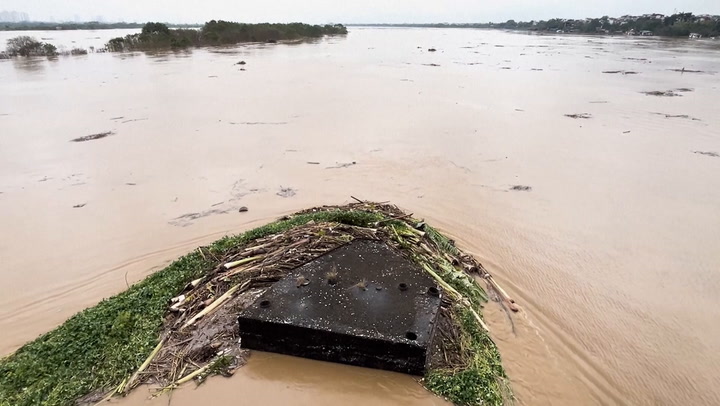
584, 172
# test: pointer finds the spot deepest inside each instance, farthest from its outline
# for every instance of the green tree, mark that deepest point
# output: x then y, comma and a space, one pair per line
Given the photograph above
155, 28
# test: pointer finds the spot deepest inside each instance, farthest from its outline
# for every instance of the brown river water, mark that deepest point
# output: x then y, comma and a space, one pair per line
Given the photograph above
613, 254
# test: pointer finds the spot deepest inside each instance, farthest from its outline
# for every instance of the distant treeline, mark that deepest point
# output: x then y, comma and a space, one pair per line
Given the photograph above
92, 25
160, 36
676, 25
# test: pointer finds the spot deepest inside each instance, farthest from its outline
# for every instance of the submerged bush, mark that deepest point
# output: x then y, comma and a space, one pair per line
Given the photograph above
49, 49
78, 51
29, 46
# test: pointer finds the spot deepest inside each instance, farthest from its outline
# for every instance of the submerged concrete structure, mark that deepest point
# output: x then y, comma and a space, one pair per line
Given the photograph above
361, 304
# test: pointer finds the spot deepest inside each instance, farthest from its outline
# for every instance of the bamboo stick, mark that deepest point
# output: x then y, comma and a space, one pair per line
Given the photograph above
192, 375
503, 294
501, 290
214, 304
479, 320
239, 270
418, 232
427, 249
234, 264
457, 294
125, 386
442, 283
183, 380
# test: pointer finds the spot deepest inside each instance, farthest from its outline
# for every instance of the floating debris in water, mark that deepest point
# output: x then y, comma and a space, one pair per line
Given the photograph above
579, 115
685, 116
286, 192
242, 209
521, 188
342, 165
93, 137
659, 93
259, 123
707, 153
187, 219
624, 72
77, 206
683, 70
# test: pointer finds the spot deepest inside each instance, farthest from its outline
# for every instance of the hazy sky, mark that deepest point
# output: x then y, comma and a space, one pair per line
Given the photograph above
358, 11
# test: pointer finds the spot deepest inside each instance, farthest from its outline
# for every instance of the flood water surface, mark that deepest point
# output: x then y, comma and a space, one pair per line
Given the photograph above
604, 226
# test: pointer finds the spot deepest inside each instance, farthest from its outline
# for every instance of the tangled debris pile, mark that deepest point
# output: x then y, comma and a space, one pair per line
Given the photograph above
180, 324
201, 325
200, 330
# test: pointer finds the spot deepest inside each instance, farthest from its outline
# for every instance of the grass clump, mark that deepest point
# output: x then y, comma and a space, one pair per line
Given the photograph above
99, 347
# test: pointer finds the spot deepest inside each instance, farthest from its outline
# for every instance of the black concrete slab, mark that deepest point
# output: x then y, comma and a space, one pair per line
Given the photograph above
361, 304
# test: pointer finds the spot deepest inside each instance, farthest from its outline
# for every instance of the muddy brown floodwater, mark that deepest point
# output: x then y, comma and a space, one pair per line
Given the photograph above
606, 228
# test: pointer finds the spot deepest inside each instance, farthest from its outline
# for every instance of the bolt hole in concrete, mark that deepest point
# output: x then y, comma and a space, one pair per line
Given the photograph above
433, 291
265, 304
403, 286
411, 336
